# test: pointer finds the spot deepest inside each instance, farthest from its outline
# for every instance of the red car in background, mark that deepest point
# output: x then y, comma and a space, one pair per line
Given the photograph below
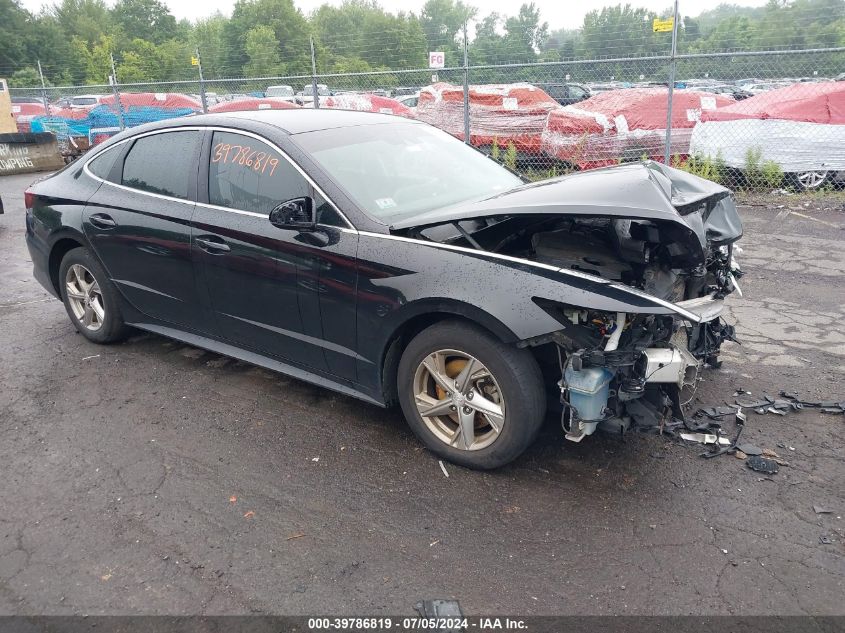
264, 103
625, 125
499, 113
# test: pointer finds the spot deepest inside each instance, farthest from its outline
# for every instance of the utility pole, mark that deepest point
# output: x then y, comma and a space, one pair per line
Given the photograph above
202, 83
668, 148
113, 81
43, 91
314, 76
466, 86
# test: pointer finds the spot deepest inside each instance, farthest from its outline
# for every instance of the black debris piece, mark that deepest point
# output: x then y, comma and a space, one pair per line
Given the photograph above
750, 449
762, 465
437, 609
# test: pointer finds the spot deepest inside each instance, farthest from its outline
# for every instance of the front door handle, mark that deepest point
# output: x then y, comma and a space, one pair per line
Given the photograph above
102, 221
213, 245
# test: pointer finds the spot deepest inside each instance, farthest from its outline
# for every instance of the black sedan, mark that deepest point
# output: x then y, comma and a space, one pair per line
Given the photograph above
384, 259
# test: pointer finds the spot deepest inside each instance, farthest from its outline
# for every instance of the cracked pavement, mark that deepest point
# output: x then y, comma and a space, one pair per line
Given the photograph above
151, 477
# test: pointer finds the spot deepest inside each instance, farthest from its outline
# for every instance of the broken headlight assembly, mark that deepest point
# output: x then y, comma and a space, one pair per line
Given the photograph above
619, 370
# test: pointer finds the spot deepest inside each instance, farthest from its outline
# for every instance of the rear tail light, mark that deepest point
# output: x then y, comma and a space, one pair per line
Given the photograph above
28, 199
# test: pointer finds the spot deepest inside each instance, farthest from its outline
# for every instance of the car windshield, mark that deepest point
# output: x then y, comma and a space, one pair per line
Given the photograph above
279, 91
84, 100
399, 170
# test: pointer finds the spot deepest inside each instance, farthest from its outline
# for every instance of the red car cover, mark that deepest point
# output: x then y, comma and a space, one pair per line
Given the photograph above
165, 100
625, 124
23, 113
799, 127
366, 103
822, 102
265, 103
504, 113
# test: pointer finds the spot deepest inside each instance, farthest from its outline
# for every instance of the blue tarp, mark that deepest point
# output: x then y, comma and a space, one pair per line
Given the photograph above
104, 117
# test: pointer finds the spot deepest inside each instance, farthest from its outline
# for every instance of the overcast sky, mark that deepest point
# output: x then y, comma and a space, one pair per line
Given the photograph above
558, 13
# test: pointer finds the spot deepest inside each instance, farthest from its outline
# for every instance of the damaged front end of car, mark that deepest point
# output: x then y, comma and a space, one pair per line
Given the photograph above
657, 243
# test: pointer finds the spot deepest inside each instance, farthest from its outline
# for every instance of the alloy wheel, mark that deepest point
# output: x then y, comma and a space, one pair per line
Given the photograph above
812, 179
459, 400
85, 298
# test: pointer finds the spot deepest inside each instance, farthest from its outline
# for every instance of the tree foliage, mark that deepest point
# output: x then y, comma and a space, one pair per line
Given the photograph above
75, 39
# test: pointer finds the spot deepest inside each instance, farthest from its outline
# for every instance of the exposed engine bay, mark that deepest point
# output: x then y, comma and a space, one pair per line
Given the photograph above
624, 369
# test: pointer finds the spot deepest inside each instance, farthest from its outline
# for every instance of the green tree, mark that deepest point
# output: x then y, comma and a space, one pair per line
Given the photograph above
361, 29
207, 36
26, 77
290, 27
525, 34
145, 19
488, 47
14, 23
262, 49
620, 31
442, 23
88, 20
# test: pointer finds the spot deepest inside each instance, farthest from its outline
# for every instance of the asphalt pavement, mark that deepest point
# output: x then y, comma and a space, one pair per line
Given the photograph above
152, 477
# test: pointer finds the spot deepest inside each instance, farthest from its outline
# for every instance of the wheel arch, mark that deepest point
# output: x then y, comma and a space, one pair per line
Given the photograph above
60, 247
422, 314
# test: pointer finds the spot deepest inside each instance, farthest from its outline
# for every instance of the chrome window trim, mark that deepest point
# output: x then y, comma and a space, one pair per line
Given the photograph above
680, 310
88, 172
350, 228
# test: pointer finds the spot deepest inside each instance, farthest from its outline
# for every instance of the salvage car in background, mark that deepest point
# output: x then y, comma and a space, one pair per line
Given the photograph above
366, 103
254, 103
385, 259
625, 125
502, 114
566, 93
800, 127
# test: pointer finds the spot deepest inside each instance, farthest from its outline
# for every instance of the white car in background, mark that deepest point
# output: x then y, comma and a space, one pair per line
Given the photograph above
281, 92
409, 101
800, 127
85, 102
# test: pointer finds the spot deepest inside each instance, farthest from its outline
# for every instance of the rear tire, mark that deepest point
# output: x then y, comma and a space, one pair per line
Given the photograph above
90, 298
810, 180
485, 399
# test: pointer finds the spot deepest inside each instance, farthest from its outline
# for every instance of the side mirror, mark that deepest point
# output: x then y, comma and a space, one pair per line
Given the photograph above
297, 214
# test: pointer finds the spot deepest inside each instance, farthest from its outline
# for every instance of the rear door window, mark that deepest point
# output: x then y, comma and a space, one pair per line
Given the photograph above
163, 163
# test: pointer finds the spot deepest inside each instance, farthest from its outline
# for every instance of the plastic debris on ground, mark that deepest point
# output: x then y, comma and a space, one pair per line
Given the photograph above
441, 613
705, 425
762, 465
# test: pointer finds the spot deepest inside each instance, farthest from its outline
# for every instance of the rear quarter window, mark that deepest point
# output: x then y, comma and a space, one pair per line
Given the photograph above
102, 164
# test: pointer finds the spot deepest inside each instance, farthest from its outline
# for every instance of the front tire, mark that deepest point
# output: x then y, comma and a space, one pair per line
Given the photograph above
90, 298
470, 398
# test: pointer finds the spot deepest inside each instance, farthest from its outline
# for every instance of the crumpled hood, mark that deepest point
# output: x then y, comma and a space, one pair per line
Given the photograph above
645, 191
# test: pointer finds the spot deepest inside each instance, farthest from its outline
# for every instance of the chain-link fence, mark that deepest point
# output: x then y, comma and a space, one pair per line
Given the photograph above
755, 119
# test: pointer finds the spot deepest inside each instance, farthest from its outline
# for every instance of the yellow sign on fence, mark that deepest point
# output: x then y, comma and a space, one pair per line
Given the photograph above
663, 26
196, 62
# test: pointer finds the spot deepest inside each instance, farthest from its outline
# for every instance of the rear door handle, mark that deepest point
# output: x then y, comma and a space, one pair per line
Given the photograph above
212, 245
102, 220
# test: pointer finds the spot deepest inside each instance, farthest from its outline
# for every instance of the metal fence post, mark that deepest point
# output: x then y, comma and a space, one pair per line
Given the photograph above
466, 86
202, 83
43, 91
113, 82
314, 76
668, 149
